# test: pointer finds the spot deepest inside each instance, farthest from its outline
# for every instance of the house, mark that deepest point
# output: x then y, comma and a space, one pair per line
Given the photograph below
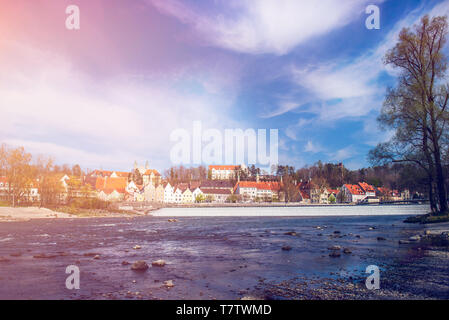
177, 195
311, 193
111, 188
332, 194
369, 190
150, 192
168, 193
148, 175
224, 172
253, 190
196, 193
216, 195
187, 196
352, 193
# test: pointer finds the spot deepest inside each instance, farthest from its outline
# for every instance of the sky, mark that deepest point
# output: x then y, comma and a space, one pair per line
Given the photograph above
112, 92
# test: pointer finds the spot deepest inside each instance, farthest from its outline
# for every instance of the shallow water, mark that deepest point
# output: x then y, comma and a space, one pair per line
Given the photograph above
207, 257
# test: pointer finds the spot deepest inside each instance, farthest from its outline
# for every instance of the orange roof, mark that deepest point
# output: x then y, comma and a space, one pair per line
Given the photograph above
108, 173
334, 191
3, 179
109, 183
354, 189
149, 171
274, 186
365, 186
224, 167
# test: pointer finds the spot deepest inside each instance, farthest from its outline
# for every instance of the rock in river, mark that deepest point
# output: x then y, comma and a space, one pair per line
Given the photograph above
139, 266
169, 284
286, 248
334, 254
158, 263
414, 238
290, 233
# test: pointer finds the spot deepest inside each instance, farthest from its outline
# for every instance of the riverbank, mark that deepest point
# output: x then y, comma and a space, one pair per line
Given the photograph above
222, 258
10, 214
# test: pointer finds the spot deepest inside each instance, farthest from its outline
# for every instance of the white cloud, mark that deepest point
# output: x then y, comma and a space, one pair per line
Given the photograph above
266, 26
52, 108
313, 147
343, 154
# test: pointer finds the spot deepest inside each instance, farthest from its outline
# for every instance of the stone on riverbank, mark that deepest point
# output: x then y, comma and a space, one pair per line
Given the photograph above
139, 266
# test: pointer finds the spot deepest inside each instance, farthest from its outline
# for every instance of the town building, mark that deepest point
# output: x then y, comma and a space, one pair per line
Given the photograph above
352, 193
216, 195
224, 172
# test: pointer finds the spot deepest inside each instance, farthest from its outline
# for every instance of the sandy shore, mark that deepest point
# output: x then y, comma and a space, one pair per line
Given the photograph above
9, 214
29, 213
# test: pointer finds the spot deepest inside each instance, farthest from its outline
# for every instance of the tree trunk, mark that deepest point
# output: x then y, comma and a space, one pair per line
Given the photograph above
441, 187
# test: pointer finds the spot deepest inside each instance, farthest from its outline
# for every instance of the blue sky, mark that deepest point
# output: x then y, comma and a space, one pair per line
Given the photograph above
111, 92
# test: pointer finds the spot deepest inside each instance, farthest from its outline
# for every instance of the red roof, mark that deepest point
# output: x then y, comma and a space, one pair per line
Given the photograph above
150, 171
274, 186
224, 167
111, 184
216, 191
354, 189
366, 187
304, 194
3, 179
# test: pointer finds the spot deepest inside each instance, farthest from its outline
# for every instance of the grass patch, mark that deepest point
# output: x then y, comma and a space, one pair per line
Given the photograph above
4, 204
428, 218
90, 207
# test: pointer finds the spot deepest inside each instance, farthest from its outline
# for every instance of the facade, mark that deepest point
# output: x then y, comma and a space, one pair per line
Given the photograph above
224, 172
352, 193
216, 195
187, 196
111, 188
253, 190
197, 192
168, 193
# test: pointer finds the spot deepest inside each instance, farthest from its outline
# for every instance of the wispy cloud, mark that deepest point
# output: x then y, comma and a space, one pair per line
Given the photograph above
265, 26
313, 147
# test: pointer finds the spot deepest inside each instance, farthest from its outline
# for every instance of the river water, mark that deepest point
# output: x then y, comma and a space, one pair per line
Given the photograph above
225, 256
